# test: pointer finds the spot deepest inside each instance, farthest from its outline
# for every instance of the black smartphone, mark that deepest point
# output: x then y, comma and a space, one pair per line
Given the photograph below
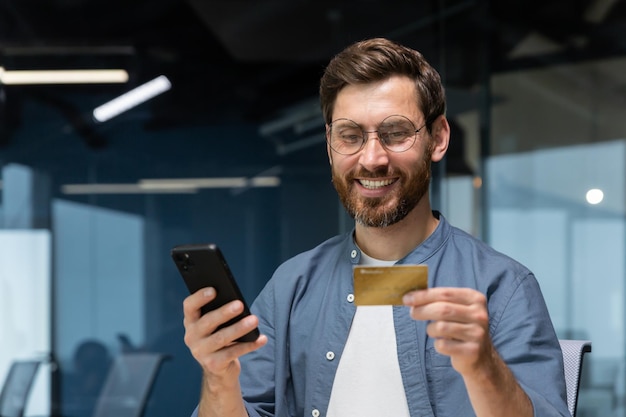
204, 265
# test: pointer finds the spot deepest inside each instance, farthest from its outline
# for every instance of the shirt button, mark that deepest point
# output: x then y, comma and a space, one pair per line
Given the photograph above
315, 412
330, 355
350, 298
353, 254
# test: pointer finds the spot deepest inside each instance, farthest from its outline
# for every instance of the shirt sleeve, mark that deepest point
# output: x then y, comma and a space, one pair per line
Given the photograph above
258, 369
524, 336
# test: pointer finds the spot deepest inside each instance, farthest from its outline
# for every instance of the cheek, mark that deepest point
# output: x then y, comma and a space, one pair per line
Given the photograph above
409, 163
341, 164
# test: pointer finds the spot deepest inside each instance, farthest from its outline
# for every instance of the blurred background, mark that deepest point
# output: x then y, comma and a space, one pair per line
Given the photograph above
225, 144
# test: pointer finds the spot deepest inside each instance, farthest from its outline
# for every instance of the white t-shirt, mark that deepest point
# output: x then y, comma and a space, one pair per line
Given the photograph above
368, 382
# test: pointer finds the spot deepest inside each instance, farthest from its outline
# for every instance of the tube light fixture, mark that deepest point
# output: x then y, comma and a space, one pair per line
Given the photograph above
32, 77
122, 189
173, 185
216, 182
132, 98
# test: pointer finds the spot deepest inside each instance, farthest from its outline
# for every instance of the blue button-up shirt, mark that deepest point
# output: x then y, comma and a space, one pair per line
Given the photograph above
306, 310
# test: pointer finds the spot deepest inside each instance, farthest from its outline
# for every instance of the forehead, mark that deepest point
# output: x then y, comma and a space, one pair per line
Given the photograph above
372, 102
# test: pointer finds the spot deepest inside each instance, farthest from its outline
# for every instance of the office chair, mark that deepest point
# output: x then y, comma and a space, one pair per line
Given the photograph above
17, 386
128, 383
573, 352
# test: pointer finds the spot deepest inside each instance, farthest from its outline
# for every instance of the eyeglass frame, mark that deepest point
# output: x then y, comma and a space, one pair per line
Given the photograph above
366, 134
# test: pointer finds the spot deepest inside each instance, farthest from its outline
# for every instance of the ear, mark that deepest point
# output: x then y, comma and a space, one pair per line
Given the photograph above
440, 136
328, 150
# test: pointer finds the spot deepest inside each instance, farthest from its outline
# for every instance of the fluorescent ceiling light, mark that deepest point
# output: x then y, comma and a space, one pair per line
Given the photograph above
598, 10
300, 118
121, 189
30, 77
132, 98
232, 182
172, 185
217, 182
534, 44
264, 182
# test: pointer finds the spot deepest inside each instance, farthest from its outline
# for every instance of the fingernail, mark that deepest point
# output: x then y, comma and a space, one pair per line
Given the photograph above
209, 292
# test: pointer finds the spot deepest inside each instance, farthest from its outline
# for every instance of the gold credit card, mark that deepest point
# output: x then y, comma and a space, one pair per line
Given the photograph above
384, 285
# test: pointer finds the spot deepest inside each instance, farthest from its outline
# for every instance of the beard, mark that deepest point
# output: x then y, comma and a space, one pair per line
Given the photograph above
393, 207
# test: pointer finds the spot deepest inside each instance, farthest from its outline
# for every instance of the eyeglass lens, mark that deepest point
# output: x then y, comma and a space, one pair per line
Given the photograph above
396, 133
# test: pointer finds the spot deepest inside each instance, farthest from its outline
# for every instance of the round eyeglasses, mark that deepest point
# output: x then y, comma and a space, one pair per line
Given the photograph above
395, 133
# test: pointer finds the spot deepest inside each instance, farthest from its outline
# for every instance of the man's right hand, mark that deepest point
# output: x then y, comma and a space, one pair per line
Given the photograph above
217, 352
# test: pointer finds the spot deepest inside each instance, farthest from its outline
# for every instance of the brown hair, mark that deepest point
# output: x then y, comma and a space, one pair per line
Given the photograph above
378, 59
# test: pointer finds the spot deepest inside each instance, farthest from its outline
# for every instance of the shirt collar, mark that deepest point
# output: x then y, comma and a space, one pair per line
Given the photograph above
418, 255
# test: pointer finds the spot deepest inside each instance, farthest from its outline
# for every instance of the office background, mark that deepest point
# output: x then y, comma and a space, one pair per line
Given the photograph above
234, 153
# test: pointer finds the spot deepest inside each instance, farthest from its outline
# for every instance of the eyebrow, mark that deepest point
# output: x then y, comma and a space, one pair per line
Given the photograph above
376, 125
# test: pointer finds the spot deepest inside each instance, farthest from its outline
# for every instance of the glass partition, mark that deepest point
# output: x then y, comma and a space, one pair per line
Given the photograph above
556, 200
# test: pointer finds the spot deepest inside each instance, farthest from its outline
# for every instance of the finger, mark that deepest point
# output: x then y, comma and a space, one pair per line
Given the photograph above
447, 311
202, 338
198, 328
223, 358
228, 335
462, 332
457, 348
194, 302
210, 321
465, 296
217, 352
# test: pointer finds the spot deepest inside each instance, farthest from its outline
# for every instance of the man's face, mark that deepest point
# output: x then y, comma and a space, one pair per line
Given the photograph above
379, 187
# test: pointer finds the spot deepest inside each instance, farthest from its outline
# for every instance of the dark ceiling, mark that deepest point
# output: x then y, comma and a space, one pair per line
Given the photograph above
249, 60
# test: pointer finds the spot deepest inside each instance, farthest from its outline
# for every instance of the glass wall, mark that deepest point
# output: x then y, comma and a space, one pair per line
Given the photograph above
556, 200
536, 168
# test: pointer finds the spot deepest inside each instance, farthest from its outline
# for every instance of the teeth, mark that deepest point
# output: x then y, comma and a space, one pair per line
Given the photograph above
371, 184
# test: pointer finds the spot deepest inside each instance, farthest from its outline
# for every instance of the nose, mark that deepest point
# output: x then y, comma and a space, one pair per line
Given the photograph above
373, 154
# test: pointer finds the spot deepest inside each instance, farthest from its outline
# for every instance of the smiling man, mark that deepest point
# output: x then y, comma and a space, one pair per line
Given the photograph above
478, 341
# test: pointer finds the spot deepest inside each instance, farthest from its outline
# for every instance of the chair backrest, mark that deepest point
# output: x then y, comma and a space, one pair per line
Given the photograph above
573, 352
128, 383
16, 388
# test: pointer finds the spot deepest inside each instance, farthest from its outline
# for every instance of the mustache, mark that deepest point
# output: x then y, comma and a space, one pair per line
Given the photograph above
379, 173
